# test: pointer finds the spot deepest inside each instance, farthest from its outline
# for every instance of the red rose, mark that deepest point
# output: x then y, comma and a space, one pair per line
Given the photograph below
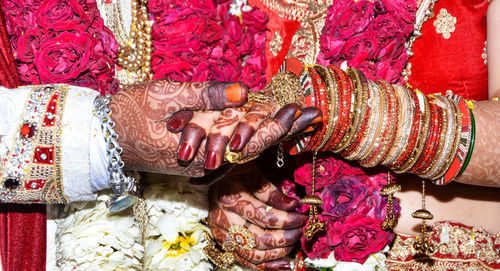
327, 169
403, 9
28, 73
25, 20
317, 247
60, 14
256, 19
362, 47
387, 26
355, 18
63, 58
29, 43
357, 238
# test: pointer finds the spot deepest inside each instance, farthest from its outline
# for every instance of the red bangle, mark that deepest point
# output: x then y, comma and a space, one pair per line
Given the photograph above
318, 88
363, 125
417, 122
433, 139
345, 107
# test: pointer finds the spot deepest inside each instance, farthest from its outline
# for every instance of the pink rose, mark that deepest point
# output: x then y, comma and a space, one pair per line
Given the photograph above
63, 58
29, 43
327, 168
332, 47
60, 14
357, 238
256, 19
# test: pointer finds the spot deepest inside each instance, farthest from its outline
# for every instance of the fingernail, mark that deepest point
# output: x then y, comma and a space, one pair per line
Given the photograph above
235, 142
288, 200
309, 129
185, 152
285, 266
174, 124
286, 113
297, 115
234, 93
317, 120
212, 160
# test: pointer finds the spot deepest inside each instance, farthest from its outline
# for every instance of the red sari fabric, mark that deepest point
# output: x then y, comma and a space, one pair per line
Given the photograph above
23, 228
455, 63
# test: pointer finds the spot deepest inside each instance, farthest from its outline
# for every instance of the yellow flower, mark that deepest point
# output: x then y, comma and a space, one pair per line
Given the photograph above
181, 245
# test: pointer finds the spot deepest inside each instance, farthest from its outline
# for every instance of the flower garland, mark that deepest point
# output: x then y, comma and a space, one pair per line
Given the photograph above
353, 209
90, 238
198, 40
174, 235
369, 35
61, 41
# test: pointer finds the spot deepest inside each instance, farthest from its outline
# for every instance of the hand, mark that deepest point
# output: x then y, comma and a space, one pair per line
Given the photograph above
249, 129
248, 198
141, 111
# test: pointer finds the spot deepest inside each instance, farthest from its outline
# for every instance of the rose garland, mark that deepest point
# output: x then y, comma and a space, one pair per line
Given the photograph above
198, 40
61, 41
369, 35
353, 209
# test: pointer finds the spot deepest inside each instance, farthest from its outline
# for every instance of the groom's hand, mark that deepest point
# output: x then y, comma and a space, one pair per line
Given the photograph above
141, 112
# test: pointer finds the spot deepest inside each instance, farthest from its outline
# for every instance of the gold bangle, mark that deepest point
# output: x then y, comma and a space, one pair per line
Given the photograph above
403, 129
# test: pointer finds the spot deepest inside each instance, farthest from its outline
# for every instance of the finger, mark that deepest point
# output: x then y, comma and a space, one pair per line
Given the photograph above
255, 256
179, 120
196, 131
213, 96
276, 265
268, 193
309, 116
270, 131
264, 238
220, 133
255, 211
250, 123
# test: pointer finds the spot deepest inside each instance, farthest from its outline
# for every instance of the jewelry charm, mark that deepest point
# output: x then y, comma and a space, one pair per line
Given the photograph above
388, 191
313, 224
219, 258
279, 156
423, 246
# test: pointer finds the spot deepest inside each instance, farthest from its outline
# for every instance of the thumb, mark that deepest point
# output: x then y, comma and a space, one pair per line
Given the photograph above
216, 96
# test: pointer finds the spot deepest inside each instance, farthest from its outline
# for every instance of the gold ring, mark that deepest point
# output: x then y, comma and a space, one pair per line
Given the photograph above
232, 156
241, 237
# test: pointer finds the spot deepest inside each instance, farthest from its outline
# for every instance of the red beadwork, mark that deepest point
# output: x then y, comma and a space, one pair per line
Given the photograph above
44, 155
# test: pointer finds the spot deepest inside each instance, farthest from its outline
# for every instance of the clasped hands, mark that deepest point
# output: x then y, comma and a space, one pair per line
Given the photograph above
184, 128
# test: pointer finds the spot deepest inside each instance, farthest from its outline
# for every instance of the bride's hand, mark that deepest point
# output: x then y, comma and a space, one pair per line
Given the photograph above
141, 112
253, 201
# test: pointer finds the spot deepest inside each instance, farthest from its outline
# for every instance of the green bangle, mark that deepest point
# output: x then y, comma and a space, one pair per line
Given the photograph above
471, 148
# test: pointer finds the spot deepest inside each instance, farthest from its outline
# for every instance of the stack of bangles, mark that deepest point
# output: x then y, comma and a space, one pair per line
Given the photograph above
375, 122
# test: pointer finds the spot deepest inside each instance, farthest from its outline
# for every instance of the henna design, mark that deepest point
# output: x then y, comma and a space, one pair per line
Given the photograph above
256, 256
484, 168
140, 111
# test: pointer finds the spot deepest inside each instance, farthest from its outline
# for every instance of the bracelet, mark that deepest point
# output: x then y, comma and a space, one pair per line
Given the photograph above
406, 114
464, 148
123, 187
472, 140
